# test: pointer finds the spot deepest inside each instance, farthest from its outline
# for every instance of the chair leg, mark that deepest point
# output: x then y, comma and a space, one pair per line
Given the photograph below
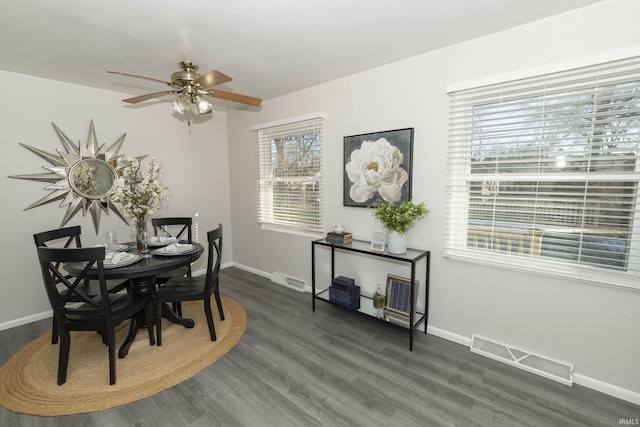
54, 331
150, 319
157, 312
63, 358
111, 339
177, 308
209, 315
216, 293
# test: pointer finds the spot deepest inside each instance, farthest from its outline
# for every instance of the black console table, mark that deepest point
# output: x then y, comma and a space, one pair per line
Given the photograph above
411, 257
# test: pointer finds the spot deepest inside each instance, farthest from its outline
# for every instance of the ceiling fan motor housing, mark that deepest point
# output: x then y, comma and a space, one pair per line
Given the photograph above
187, 75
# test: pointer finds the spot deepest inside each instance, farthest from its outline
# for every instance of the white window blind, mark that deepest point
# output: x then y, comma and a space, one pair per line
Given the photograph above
543, 174
290, 185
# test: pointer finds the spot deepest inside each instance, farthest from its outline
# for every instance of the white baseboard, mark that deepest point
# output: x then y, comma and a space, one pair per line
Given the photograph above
252, 270
449, 336
606, 388
25, 320
583, 380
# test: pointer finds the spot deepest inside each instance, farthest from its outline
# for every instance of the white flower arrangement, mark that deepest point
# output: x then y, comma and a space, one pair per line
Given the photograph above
140, 195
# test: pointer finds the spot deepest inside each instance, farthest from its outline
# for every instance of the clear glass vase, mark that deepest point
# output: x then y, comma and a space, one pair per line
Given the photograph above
142, 236
378, 302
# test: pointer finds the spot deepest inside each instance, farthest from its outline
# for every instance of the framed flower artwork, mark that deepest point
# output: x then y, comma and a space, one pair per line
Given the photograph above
377, 167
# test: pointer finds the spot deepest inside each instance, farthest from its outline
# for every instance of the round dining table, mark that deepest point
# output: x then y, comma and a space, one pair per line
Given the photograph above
142, 281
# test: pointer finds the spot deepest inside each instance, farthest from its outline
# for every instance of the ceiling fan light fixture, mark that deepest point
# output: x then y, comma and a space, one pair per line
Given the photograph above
200, 106
181, 104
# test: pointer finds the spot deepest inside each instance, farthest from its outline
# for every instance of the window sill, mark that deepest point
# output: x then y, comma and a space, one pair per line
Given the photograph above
292, 230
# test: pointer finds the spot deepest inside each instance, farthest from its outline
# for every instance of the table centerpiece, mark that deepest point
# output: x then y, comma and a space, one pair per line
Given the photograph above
139, 195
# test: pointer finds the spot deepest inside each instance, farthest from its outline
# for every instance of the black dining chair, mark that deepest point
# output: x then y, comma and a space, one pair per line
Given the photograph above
178, 227
180, 289
69, 237
181, 229
76, 310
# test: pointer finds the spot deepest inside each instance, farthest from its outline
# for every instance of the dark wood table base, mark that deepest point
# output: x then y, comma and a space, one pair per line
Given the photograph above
138, 322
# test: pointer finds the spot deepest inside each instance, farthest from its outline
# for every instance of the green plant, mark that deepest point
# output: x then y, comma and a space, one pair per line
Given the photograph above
400, 217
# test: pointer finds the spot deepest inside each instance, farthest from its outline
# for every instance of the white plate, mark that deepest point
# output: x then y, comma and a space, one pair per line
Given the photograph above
155, 242
187, 249
127, 259
118, 248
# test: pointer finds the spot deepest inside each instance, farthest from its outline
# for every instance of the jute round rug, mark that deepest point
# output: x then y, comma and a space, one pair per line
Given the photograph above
28, 381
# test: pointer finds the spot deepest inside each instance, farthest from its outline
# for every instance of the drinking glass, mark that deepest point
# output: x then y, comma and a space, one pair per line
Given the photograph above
133, 232
111, 238
144, 238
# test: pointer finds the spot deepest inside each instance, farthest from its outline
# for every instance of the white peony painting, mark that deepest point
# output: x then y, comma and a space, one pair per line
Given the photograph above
377, 167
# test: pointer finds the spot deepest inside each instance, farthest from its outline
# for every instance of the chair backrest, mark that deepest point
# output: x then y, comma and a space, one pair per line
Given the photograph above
65, 292
214, 237
61, 237
170, 225
72, 234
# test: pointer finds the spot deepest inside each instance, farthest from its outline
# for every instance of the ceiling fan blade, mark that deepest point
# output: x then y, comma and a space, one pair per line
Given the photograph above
212, 78
235, 97
140, 77
141, 98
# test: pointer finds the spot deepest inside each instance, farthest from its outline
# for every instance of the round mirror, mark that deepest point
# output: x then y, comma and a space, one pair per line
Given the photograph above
92, 178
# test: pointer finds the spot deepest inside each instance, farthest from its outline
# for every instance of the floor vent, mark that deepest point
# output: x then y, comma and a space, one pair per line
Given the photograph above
551, 369
289, 282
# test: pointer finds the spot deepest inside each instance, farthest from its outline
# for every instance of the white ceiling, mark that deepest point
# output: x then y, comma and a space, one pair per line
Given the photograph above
268, 47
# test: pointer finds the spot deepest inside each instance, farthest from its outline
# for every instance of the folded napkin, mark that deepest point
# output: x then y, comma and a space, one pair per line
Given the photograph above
114, 257
178, 247
160, 239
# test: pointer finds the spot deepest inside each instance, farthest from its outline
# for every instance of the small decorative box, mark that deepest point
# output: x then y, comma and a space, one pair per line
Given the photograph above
344, 283
349, 298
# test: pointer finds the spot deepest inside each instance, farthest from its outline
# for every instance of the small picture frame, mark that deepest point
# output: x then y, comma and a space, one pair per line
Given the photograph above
398, 295
379, 241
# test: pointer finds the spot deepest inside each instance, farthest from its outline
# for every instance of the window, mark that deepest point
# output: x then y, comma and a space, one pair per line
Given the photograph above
290, 187
543, 174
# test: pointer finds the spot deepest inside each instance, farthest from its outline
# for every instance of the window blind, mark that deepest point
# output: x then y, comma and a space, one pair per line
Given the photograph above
543, 174
290, 171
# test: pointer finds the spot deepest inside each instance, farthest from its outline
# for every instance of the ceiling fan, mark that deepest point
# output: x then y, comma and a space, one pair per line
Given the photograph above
192, 87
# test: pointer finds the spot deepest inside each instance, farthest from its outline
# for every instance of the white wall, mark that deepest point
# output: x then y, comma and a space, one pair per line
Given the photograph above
195, 167
595, 328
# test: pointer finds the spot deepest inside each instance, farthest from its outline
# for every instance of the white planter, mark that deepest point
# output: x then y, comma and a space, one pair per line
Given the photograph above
397, 243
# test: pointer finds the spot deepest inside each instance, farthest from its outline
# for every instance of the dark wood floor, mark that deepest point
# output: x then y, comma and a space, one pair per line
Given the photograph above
294, 367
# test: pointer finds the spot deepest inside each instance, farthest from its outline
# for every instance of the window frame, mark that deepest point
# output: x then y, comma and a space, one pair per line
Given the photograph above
460, 177
266, 200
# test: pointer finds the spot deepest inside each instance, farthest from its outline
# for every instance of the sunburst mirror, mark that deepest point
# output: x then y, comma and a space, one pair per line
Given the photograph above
82, 176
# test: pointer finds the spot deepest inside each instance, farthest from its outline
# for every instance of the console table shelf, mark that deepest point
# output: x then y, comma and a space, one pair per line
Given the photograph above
411, 257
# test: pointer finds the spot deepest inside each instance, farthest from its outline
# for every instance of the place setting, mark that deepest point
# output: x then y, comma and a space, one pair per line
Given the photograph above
175, 249
116, 255
159, 241
119, 259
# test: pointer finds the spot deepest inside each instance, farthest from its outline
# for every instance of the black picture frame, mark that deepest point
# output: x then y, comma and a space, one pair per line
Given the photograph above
400, 139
